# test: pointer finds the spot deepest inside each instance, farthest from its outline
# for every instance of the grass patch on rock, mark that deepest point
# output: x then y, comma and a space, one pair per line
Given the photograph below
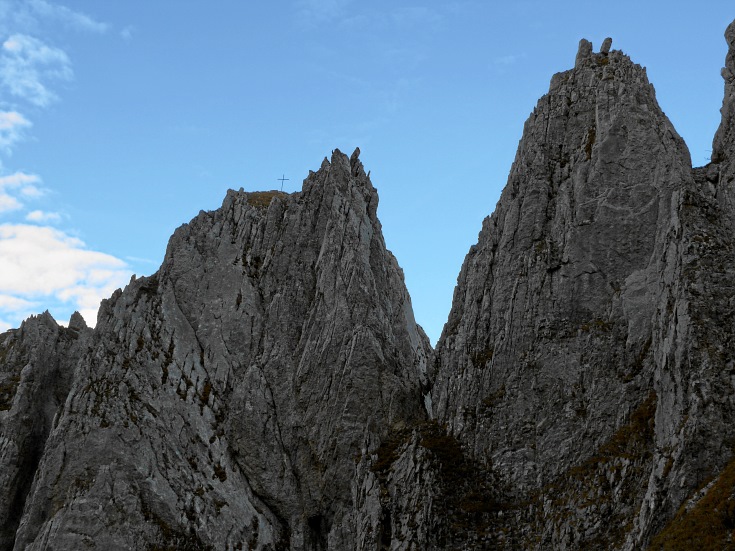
262, 199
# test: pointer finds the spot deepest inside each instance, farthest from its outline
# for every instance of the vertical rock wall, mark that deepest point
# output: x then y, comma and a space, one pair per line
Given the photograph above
549, 344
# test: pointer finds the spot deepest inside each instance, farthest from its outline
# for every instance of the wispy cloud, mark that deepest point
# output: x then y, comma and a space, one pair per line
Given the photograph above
19, 179
12, 125
13, 304
17, 309
74, 19
14, 188
27, 64
42, 217
43, 263
30, 16
313, 12
31, 192
8, 203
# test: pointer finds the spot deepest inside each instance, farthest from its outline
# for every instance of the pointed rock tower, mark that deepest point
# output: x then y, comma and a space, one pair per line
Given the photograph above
551, 342
587, 358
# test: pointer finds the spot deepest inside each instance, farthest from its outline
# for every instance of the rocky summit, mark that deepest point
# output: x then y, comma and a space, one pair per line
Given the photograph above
268, 388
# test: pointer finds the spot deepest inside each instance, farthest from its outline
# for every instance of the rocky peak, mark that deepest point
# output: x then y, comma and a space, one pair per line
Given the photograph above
76, 322
722, 145
37, 365
585, 53
275, 347
548, 350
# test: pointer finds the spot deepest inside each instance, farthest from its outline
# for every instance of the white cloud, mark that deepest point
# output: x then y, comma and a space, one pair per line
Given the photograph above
43, 217
70, 18
40, 264
13, 304
31, 192
8, 203
30, 15
16, 309
127, 32
18, 179
12, 125
21, 181
45, 263
26, 63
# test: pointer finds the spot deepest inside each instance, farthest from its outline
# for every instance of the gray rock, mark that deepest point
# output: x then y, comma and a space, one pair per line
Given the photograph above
37, 365
265, 389
567, 364
584, 52
76, 322
606, 45
227, 399
722, 145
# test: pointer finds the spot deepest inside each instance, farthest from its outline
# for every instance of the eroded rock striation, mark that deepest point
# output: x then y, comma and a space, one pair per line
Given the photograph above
269, 388
225, 401
587, 359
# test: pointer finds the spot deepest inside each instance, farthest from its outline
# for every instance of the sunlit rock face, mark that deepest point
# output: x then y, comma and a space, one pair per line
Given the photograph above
226, 400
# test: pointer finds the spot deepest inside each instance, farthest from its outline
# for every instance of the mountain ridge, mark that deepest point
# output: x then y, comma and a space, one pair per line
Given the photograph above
269, 387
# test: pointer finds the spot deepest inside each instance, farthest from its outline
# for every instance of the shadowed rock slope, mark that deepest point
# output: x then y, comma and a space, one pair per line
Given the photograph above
266, 388
36, 367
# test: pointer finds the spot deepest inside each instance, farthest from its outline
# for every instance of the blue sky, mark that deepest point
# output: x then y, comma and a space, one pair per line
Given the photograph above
119, 121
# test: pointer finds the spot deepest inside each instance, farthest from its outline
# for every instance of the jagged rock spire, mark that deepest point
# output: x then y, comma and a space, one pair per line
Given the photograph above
226, 400
722, 145
549, 346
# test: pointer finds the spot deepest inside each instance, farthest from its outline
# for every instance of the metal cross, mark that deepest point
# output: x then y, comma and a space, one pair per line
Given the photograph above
282, 179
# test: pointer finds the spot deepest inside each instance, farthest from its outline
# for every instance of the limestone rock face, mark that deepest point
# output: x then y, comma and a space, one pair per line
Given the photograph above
695, 426
587, 360
549, 344
226, 401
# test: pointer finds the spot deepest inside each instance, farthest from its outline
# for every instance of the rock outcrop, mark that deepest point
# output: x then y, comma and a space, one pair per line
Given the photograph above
586, 361
268, 387
36, 367
725, 136
225, 401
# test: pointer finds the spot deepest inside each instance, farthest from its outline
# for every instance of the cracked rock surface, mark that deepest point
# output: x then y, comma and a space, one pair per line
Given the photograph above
225, 401
587, 360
